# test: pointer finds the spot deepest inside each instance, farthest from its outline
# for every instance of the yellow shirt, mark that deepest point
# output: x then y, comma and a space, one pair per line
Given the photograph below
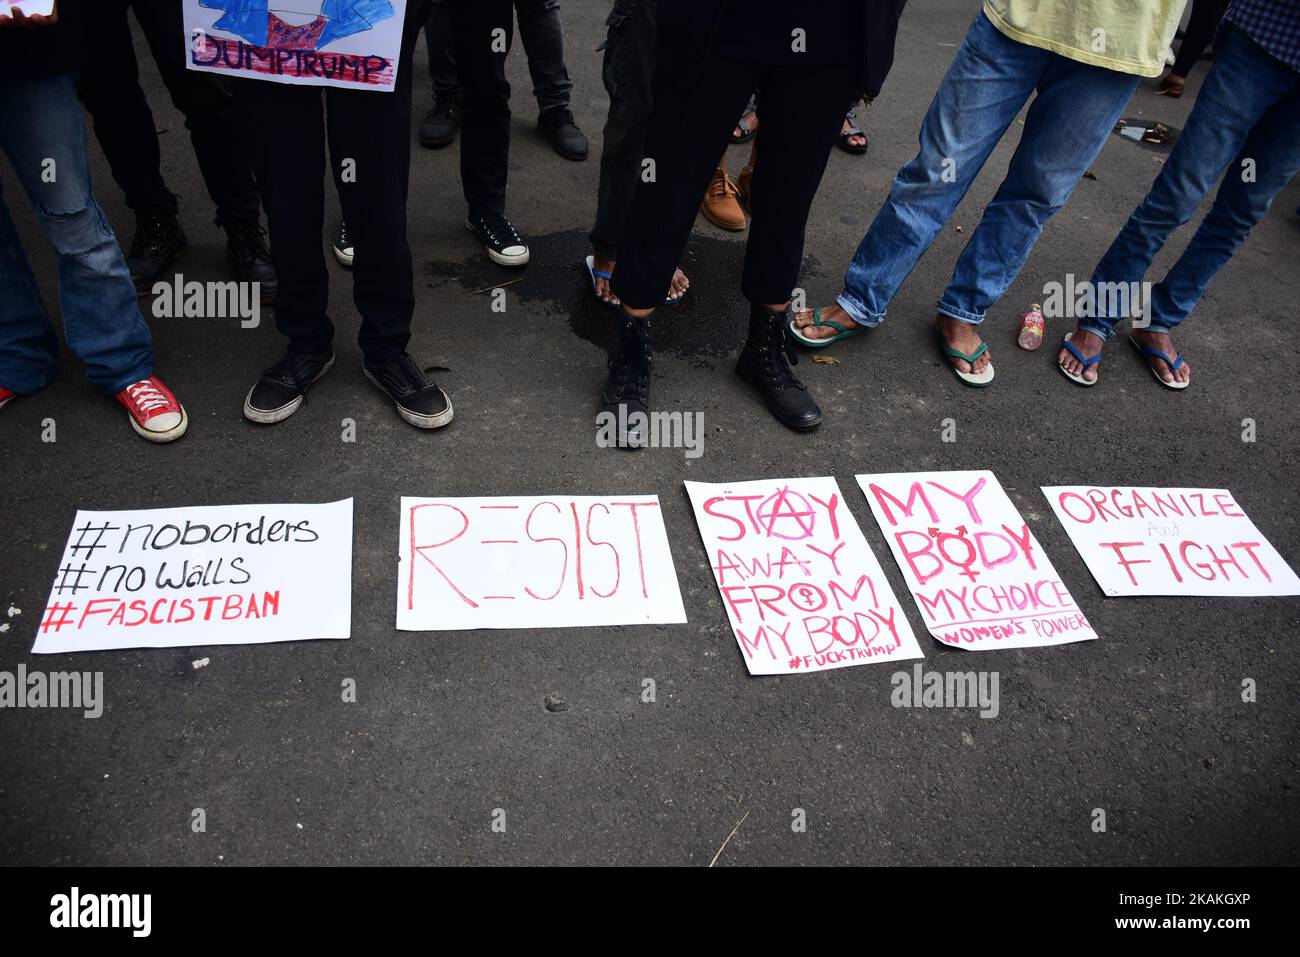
1131, 36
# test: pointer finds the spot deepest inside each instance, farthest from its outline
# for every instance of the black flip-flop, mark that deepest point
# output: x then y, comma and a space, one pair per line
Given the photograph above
749, 130
843, 142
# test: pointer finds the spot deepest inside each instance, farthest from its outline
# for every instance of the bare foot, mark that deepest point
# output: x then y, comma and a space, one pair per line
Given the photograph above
963, 337
677, 288
603, 292
1165, 343
803, 321
1089, 344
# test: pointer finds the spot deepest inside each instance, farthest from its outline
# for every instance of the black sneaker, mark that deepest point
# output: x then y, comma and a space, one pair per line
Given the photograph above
246, 247
440, 126
500, 239
557, 125
418, 399
765, 364
157, 243
282, 387
342, 244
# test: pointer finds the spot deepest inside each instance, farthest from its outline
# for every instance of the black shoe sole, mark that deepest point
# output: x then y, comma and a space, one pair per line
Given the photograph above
437, 142
272, 416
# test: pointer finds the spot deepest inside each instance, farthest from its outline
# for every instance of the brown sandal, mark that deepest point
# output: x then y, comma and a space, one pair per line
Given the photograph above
1170, 87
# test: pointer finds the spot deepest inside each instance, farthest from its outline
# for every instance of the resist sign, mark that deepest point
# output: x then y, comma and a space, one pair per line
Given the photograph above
535, 562
802, 588
1169, 541
974, 568
207, 575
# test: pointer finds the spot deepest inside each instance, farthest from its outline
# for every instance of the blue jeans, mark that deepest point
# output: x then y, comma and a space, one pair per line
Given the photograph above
1246, 118
989, 81
42, 132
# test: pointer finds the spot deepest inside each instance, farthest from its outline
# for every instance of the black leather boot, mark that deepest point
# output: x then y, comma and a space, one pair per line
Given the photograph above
765, 364
627, 390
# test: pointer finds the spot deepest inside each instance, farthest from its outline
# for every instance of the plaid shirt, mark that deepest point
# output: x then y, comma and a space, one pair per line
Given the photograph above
1273, 24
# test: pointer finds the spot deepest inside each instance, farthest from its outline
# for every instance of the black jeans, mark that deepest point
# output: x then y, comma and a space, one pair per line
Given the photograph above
801, 110
124, 124
289, 127
485, 123
628, 71
542, 33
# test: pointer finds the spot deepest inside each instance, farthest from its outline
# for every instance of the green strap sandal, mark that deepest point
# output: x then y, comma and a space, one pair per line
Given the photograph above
840, 331
976, 380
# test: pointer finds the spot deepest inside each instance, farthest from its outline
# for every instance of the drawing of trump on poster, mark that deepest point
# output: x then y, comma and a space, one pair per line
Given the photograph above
346, 43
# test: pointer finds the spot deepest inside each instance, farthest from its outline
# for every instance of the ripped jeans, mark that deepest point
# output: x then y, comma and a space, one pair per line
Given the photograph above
42, 132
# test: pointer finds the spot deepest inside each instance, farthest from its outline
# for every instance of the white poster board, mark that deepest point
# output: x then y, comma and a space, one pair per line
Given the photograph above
536, 561
802, 588
975, 570
354, 44
201, 575
28, 8
1169, 541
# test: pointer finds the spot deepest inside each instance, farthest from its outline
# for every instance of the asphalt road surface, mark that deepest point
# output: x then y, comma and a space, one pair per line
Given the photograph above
1147, 723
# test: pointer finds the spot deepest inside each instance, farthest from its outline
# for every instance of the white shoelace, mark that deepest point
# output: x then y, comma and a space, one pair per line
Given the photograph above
146, 396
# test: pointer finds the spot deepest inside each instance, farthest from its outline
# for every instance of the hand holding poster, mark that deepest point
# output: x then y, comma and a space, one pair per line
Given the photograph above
803, 590
535, 562
346, 43
208, 575
1170, 541
976, 571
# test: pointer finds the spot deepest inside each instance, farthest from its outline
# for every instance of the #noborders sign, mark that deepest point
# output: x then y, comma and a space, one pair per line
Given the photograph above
354, 44
206, 575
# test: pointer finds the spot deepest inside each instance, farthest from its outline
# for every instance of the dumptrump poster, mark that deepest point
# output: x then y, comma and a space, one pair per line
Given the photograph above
355, 44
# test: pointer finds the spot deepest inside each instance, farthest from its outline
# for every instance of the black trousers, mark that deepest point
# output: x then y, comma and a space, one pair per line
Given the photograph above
628, 71
290, 126
485, 96
542, 33
124, 124
1201, 25
801, 110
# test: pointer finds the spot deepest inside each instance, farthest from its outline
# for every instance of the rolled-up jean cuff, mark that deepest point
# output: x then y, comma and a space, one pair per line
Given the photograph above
141, 372
1105, 332
961, 315
857, 313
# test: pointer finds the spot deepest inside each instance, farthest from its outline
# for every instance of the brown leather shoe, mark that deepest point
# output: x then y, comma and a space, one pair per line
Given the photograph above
720, 204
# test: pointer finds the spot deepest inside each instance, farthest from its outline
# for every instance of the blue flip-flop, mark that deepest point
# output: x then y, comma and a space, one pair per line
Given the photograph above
1073, 350
595, 274
840, 331
1149, 353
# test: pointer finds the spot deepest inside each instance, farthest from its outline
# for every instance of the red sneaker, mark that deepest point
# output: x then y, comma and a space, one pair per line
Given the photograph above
6, 395
154, 411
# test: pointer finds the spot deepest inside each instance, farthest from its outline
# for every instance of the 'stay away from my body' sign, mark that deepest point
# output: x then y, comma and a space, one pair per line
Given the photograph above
802, 589
978, 575
540, 561
354, 44
1170, 541
207, 575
